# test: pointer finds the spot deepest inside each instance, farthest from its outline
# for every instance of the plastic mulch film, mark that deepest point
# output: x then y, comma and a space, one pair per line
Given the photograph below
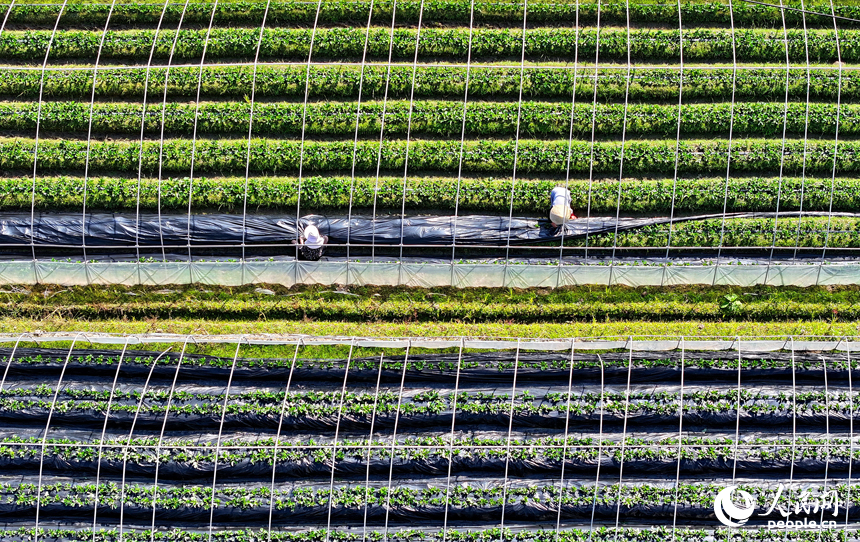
176, 437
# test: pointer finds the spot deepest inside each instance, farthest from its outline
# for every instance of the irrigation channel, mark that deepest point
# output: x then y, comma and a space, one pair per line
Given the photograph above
383, 439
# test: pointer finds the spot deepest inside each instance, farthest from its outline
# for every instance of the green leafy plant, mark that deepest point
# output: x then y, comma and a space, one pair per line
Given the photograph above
731, 304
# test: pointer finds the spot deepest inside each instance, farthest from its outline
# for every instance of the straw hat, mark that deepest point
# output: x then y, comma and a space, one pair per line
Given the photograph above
559, 214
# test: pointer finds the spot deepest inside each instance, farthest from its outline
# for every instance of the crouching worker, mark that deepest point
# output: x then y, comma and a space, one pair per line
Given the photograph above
311, 244
560, 211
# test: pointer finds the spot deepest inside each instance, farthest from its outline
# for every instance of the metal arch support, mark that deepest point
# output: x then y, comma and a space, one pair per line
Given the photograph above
278, 437
220, 433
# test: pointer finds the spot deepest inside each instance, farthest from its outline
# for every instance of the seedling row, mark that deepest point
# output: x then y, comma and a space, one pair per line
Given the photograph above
456, 44
400, 118
660, 84
273, 157
403, 534
488, 194
457, 12
378, 503
353, 458
480, 365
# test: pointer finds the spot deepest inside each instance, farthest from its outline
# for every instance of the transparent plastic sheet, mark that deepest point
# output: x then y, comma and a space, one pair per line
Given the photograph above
426, 275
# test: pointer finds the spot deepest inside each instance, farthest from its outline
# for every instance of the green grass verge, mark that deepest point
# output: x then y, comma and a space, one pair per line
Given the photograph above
432, 119
690, 329
331, 82
485, 195
395, 306
244, 13
354, 44
278, 157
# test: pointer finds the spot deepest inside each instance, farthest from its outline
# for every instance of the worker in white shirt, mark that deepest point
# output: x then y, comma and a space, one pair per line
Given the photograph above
560, 211
311, 244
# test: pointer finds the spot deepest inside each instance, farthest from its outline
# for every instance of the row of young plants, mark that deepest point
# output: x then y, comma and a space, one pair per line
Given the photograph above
322, 407
469, 534
776, 364
816, 232
337, 82
434, 119
654, 45
421, 454
694, 500
483, 156
467, 195
411, 12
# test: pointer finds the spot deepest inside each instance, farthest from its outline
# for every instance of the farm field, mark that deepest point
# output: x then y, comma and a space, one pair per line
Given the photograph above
399, 111
486, 443
179, 361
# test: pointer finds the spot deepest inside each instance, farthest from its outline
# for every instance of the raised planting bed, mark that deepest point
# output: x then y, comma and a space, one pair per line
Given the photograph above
355, 43
414, 456
456, 12
272, 157
521, 533
378, 503
654, 45
423, 194
343, 82
432, 119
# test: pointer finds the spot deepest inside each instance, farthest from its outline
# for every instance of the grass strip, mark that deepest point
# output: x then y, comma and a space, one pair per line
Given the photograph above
454, 12
648, 307
652, 45
432, 119
538, 365
331, 82
484, 194
277, 157
56, 321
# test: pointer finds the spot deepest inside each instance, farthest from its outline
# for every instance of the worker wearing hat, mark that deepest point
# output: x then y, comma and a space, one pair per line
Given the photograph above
311, 244
560, 211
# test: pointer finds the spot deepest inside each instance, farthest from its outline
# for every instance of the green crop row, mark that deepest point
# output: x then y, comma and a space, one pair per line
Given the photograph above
598, 534
455, 12
333, 82
485, 195
635, 497
425, 449
653, 45
274, 157
434, 119
443, 364
322, 404
817, 232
